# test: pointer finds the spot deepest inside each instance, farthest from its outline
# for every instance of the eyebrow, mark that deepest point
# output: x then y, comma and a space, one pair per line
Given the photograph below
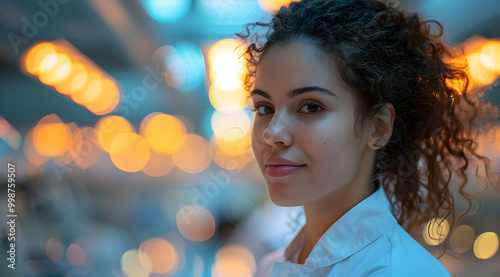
295, 92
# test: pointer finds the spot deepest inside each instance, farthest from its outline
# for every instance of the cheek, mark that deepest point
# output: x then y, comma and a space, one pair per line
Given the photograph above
331, 149
257, 142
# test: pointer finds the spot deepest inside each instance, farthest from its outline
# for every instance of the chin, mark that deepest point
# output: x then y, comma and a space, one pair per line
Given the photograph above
282, 199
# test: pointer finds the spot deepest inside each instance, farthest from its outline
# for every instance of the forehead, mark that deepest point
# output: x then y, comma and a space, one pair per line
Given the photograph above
286, 67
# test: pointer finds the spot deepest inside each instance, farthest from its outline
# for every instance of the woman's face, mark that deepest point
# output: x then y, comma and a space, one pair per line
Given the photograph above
305, 115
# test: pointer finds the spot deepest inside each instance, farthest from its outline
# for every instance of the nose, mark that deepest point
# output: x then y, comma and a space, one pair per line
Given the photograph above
278, 130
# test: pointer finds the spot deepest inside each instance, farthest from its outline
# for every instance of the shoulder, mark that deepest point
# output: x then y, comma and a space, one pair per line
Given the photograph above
410, 258
265, 264
393, 254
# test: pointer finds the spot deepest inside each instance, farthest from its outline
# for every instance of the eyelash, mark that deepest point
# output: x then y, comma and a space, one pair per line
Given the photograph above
254, 108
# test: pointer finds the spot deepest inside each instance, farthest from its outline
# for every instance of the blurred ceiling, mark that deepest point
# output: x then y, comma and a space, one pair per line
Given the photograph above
121, 37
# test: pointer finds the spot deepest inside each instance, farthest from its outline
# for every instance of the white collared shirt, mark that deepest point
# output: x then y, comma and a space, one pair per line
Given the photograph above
365, 241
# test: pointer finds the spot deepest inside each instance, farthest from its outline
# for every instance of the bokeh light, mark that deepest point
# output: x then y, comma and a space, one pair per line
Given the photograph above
158, 164
132, 266
111, 126
167, 11
54, 249
486, 245
90, 91
462, 238
227, 70
196, 154
195, 223
230, 127
274, 5
185, 65
435, 231
75, 81
492, 51
129, 152
232, 154
225, 57
480, 73
36, 54
234, 260
30, 153
58, 72
236, 147
51, 136
227, 101
164, 133
107, 100
61, 65
158, 256
75, 254
85, 150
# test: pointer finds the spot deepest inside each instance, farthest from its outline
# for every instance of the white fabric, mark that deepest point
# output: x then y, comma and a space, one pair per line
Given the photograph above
365, 241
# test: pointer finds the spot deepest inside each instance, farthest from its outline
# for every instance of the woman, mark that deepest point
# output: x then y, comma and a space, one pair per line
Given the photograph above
354, 106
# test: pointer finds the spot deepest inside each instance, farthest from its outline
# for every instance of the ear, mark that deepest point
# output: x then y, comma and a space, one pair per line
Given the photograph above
382, 127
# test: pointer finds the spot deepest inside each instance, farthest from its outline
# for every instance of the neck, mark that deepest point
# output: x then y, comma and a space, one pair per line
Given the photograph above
321, 215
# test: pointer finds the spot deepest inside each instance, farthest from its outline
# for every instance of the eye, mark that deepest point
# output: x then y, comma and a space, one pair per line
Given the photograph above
258, 107
312, 107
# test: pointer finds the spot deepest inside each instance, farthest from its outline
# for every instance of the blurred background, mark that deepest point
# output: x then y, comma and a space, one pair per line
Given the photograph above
124, 125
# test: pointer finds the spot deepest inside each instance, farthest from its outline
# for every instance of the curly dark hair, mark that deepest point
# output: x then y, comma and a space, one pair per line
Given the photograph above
387, 54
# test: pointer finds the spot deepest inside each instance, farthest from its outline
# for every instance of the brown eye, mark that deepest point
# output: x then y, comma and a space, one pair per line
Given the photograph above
265, 109
311, 107
261, 108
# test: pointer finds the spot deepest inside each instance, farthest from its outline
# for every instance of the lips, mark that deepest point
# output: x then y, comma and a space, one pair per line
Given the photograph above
279, 167
282, 170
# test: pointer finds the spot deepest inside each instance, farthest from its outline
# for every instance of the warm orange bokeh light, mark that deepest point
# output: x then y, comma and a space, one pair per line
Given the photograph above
195, 223
196, 154
158, 256
158, 164
231, 127
226, 52
435, 231
274, 5
231, 162
36, 54
486, 245
30, 153
232, 154
132, 266
91, 91
59, 72
479, 73
227, 69
164, 133
492, 50
109, 127
51, 137
234, 260
225, 101
75, 81
85, 150
129, 152
107, 100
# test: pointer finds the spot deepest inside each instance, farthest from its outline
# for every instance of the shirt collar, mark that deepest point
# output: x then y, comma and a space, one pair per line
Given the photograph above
361, 225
